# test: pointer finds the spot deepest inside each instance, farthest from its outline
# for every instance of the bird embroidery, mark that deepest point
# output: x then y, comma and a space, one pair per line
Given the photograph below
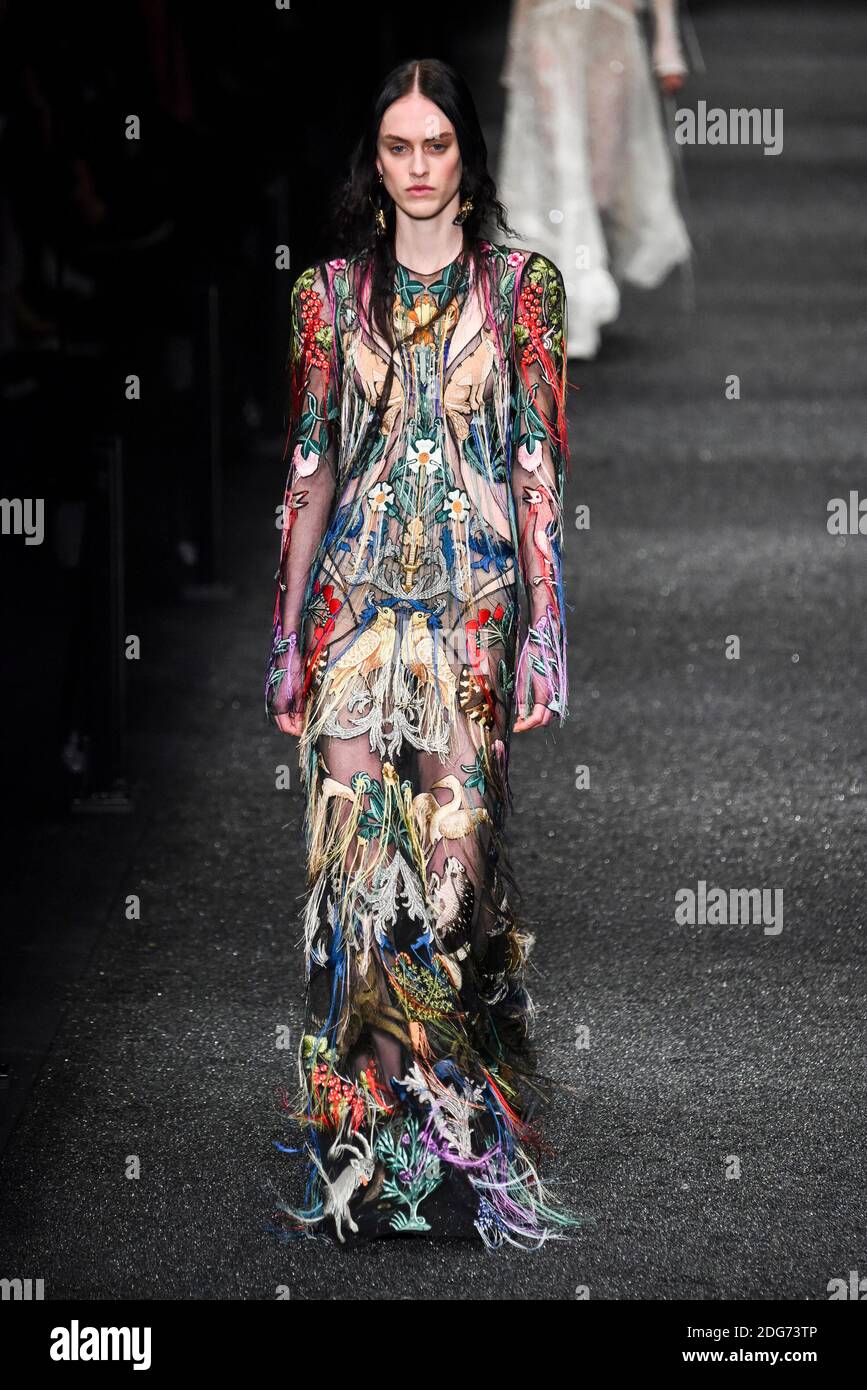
417, 654
369, 652
452, 821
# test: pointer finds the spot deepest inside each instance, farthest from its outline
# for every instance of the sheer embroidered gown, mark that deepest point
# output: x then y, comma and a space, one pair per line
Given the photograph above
406, 544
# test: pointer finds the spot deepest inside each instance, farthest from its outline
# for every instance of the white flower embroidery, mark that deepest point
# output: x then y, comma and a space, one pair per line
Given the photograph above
379, 496
459, 505
304, 467
424, 454
532, 462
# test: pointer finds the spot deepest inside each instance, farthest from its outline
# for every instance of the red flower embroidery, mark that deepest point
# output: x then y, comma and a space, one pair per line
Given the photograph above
530, 318
311, 323
485, 615
337, 1094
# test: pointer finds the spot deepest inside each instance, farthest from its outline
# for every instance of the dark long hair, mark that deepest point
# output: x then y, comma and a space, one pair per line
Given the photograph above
354, 217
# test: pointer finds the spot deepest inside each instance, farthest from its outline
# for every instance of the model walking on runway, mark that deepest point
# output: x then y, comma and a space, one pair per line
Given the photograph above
585, 169
426, 449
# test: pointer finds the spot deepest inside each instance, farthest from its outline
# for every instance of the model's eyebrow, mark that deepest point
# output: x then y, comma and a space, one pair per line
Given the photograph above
444, 135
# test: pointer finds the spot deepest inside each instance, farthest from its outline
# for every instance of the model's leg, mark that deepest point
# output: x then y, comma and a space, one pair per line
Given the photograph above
345, 760
470, 883
459, 811
607, 86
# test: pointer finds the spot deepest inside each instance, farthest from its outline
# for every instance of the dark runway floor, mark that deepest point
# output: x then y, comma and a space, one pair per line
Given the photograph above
707, 1044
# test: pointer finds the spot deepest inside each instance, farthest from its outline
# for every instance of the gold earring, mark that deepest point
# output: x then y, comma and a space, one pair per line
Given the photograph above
378, 214
463, 212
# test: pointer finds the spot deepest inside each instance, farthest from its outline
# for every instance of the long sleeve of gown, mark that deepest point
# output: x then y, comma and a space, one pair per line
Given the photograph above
311, 450
667, 53
539, 458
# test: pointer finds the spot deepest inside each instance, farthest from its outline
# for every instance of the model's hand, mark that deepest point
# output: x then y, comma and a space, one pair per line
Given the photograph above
538, 716
293, 723
670, 82
290, 723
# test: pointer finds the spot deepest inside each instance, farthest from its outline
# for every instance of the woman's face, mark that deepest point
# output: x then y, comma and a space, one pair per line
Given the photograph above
418, 156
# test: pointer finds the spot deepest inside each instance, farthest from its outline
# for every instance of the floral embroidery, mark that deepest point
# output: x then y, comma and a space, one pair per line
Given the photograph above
379, 497
413, 1172
459, 506
315, 336
424, 454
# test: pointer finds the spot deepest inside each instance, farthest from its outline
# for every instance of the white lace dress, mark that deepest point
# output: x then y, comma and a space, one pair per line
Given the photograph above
585, 170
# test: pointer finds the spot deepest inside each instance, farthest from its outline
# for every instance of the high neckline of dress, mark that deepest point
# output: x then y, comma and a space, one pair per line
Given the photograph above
429, 274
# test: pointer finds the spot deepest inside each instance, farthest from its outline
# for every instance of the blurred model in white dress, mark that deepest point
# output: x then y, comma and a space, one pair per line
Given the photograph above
585, 169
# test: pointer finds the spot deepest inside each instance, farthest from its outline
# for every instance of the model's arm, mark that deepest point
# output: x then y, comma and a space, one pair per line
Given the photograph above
668, 58
311, 450
539, 456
